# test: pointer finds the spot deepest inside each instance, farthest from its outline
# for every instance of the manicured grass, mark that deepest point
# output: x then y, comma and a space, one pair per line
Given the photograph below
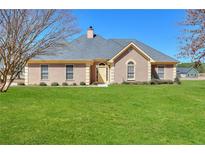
122, 114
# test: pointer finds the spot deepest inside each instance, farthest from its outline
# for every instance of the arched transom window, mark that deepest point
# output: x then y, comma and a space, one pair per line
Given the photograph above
130, 70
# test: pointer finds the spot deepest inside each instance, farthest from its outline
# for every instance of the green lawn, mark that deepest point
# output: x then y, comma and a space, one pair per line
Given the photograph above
121, 114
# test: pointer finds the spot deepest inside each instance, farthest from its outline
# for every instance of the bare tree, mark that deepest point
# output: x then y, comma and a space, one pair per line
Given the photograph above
192, 39
25, 34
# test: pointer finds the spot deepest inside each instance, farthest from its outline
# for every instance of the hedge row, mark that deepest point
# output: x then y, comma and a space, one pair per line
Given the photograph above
54, 84
63, 84
154, 82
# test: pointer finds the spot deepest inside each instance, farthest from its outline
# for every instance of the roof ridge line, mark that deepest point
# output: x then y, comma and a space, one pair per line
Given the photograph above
119, 43
155, 49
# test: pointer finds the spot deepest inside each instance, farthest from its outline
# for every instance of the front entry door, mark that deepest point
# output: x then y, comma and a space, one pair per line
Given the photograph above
101, 74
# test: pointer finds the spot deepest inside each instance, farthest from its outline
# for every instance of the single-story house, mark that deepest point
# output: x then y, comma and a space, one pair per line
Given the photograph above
92, 58
187, 72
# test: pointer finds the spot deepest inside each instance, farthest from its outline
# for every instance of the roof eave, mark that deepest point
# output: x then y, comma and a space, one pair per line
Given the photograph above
164, 62
59, 61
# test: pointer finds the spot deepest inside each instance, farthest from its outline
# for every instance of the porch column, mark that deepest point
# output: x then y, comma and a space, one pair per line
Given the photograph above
149, 71
87, 74
26, 74
112, 73
174, 72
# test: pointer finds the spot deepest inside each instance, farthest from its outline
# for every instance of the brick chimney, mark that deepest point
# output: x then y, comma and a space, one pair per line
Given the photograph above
90, 32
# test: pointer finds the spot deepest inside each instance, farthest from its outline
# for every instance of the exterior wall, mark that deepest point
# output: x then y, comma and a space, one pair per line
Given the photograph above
120, 66
87, 73
149, 71
169, 71
56, 73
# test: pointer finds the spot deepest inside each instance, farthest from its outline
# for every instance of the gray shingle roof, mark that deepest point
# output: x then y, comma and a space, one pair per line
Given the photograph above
97, 48
153, 53
184, 70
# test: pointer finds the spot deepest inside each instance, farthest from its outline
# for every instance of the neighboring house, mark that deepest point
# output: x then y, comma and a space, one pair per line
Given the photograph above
92, 58
187, 72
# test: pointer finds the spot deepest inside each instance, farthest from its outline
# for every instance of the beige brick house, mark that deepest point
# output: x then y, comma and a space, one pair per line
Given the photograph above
92, 58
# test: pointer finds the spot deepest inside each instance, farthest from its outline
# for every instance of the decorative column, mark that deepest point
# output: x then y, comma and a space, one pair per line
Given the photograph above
174, 72
112, 73
26, 74
87, 74
149, 71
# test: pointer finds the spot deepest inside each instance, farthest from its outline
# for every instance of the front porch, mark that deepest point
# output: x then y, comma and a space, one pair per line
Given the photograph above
100, 73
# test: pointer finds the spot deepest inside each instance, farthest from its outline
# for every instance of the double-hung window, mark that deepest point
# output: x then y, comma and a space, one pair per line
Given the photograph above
130, 71
161, 71
44, 72
69, 72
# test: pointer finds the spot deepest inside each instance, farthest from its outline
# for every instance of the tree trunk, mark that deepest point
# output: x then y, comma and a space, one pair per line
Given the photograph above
7, 86
2, 86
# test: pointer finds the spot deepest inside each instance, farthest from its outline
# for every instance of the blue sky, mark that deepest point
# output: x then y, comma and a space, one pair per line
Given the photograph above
157, 28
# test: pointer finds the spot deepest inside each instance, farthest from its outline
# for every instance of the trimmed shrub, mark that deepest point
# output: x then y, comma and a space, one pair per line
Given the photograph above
136, 83
124, 82
42, 84
21, 84
74, 84
95, 83
170, 82
146, 83
82, 83
114, 84
54, 84
154, 81
64, 84
177, 80
158, 81
141, 83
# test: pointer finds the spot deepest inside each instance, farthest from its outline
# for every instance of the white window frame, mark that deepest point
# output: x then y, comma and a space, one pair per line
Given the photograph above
163, 72
130, 79
66, 72
41, 71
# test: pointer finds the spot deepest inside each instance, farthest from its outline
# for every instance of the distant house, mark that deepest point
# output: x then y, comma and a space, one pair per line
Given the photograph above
91, 58
187, 72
